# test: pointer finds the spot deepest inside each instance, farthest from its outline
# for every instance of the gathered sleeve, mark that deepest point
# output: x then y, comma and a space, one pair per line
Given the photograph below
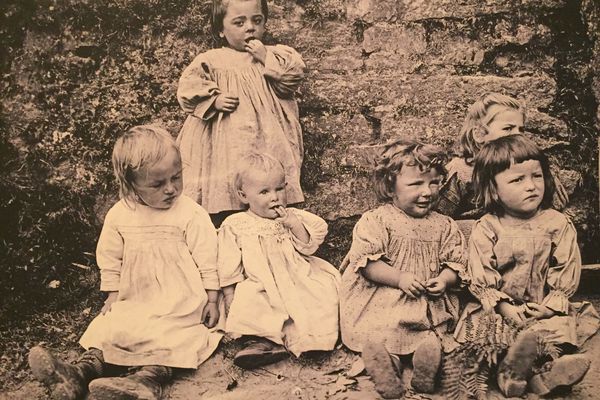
482, 266
453, 250
201, 239
564, 271
109, 254
316, 228
369, 241
197, 89
229, 262
285, 69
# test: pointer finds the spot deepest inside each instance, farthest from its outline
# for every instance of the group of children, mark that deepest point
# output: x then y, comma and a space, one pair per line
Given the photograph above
175, 284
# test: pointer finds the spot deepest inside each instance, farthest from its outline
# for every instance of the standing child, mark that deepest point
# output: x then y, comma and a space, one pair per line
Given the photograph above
240, 98
493, 116
157, 255
525, 265
403, 259
276, 292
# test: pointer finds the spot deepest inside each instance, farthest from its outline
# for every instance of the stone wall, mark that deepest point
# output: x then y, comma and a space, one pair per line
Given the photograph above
383, 69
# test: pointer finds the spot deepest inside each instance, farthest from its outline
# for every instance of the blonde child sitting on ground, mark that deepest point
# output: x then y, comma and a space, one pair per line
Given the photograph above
278, 295
157, 255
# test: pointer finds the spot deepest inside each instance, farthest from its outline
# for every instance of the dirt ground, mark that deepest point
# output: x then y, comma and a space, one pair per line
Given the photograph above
313, 377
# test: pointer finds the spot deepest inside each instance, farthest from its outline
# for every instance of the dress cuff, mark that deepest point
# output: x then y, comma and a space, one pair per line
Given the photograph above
231, 280
488, 297
361, 261
205, 109
464, 278
557, 302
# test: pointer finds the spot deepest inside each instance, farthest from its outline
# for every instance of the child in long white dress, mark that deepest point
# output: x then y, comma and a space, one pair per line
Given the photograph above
276, 291
157, 254
239, 99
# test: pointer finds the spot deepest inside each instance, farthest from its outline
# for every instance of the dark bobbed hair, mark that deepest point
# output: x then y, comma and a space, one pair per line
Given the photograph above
497, 156
405, 152
219, 9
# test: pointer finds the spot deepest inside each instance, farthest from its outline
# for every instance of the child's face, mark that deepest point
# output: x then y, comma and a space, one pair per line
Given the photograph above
506, 121
520, 188
416, 191
264, 191
243, 21
160, 184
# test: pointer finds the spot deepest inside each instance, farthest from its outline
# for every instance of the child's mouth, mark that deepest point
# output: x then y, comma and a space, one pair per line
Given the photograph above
248, 39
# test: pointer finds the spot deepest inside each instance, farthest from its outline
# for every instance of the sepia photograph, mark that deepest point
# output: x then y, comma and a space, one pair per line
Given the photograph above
299, 199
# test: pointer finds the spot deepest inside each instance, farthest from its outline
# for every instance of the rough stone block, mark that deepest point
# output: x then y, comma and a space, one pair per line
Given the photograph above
343, 196
415, 10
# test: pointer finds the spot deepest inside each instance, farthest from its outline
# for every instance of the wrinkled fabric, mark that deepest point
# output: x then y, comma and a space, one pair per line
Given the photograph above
535, 260
422, 246
265, 121
283, 292
161, 262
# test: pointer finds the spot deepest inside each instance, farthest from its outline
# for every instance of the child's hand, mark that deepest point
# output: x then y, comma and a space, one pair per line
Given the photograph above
210, 314
257, 49
538, 311
436, 286
512, 312
289, 220
112, 297
410, 285
226, 102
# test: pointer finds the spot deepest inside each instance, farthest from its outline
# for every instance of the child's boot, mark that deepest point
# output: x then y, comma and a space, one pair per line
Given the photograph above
563, 372
426, 364
145, 384
516, 368
258, 352
380, 367
66, 381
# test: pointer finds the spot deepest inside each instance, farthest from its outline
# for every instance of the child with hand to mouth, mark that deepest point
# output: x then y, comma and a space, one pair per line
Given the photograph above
279, 298
239, 98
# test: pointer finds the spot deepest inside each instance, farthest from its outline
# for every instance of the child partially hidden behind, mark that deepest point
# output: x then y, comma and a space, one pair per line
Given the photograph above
403, 261
278, 296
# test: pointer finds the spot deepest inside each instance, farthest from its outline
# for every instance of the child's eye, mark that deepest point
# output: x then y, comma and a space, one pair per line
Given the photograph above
238, 23
264, 191
280, 188
257, 20
519, 179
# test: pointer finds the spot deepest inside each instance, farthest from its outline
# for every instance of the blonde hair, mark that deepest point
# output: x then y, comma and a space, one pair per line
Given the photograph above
478, 117
140, 147
405, 152
254, 162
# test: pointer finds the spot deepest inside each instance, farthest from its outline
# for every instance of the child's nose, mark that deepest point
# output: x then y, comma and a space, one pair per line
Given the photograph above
170, 188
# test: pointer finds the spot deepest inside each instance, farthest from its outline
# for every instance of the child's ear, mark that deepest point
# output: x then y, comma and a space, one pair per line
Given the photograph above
242, 196
479, 133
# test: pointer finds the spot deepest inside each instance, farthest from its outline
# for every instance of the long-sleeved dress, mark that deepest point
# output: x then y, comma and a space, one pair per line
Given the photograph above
423, 246
282, 292
266, 120
161, 262
535, 260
